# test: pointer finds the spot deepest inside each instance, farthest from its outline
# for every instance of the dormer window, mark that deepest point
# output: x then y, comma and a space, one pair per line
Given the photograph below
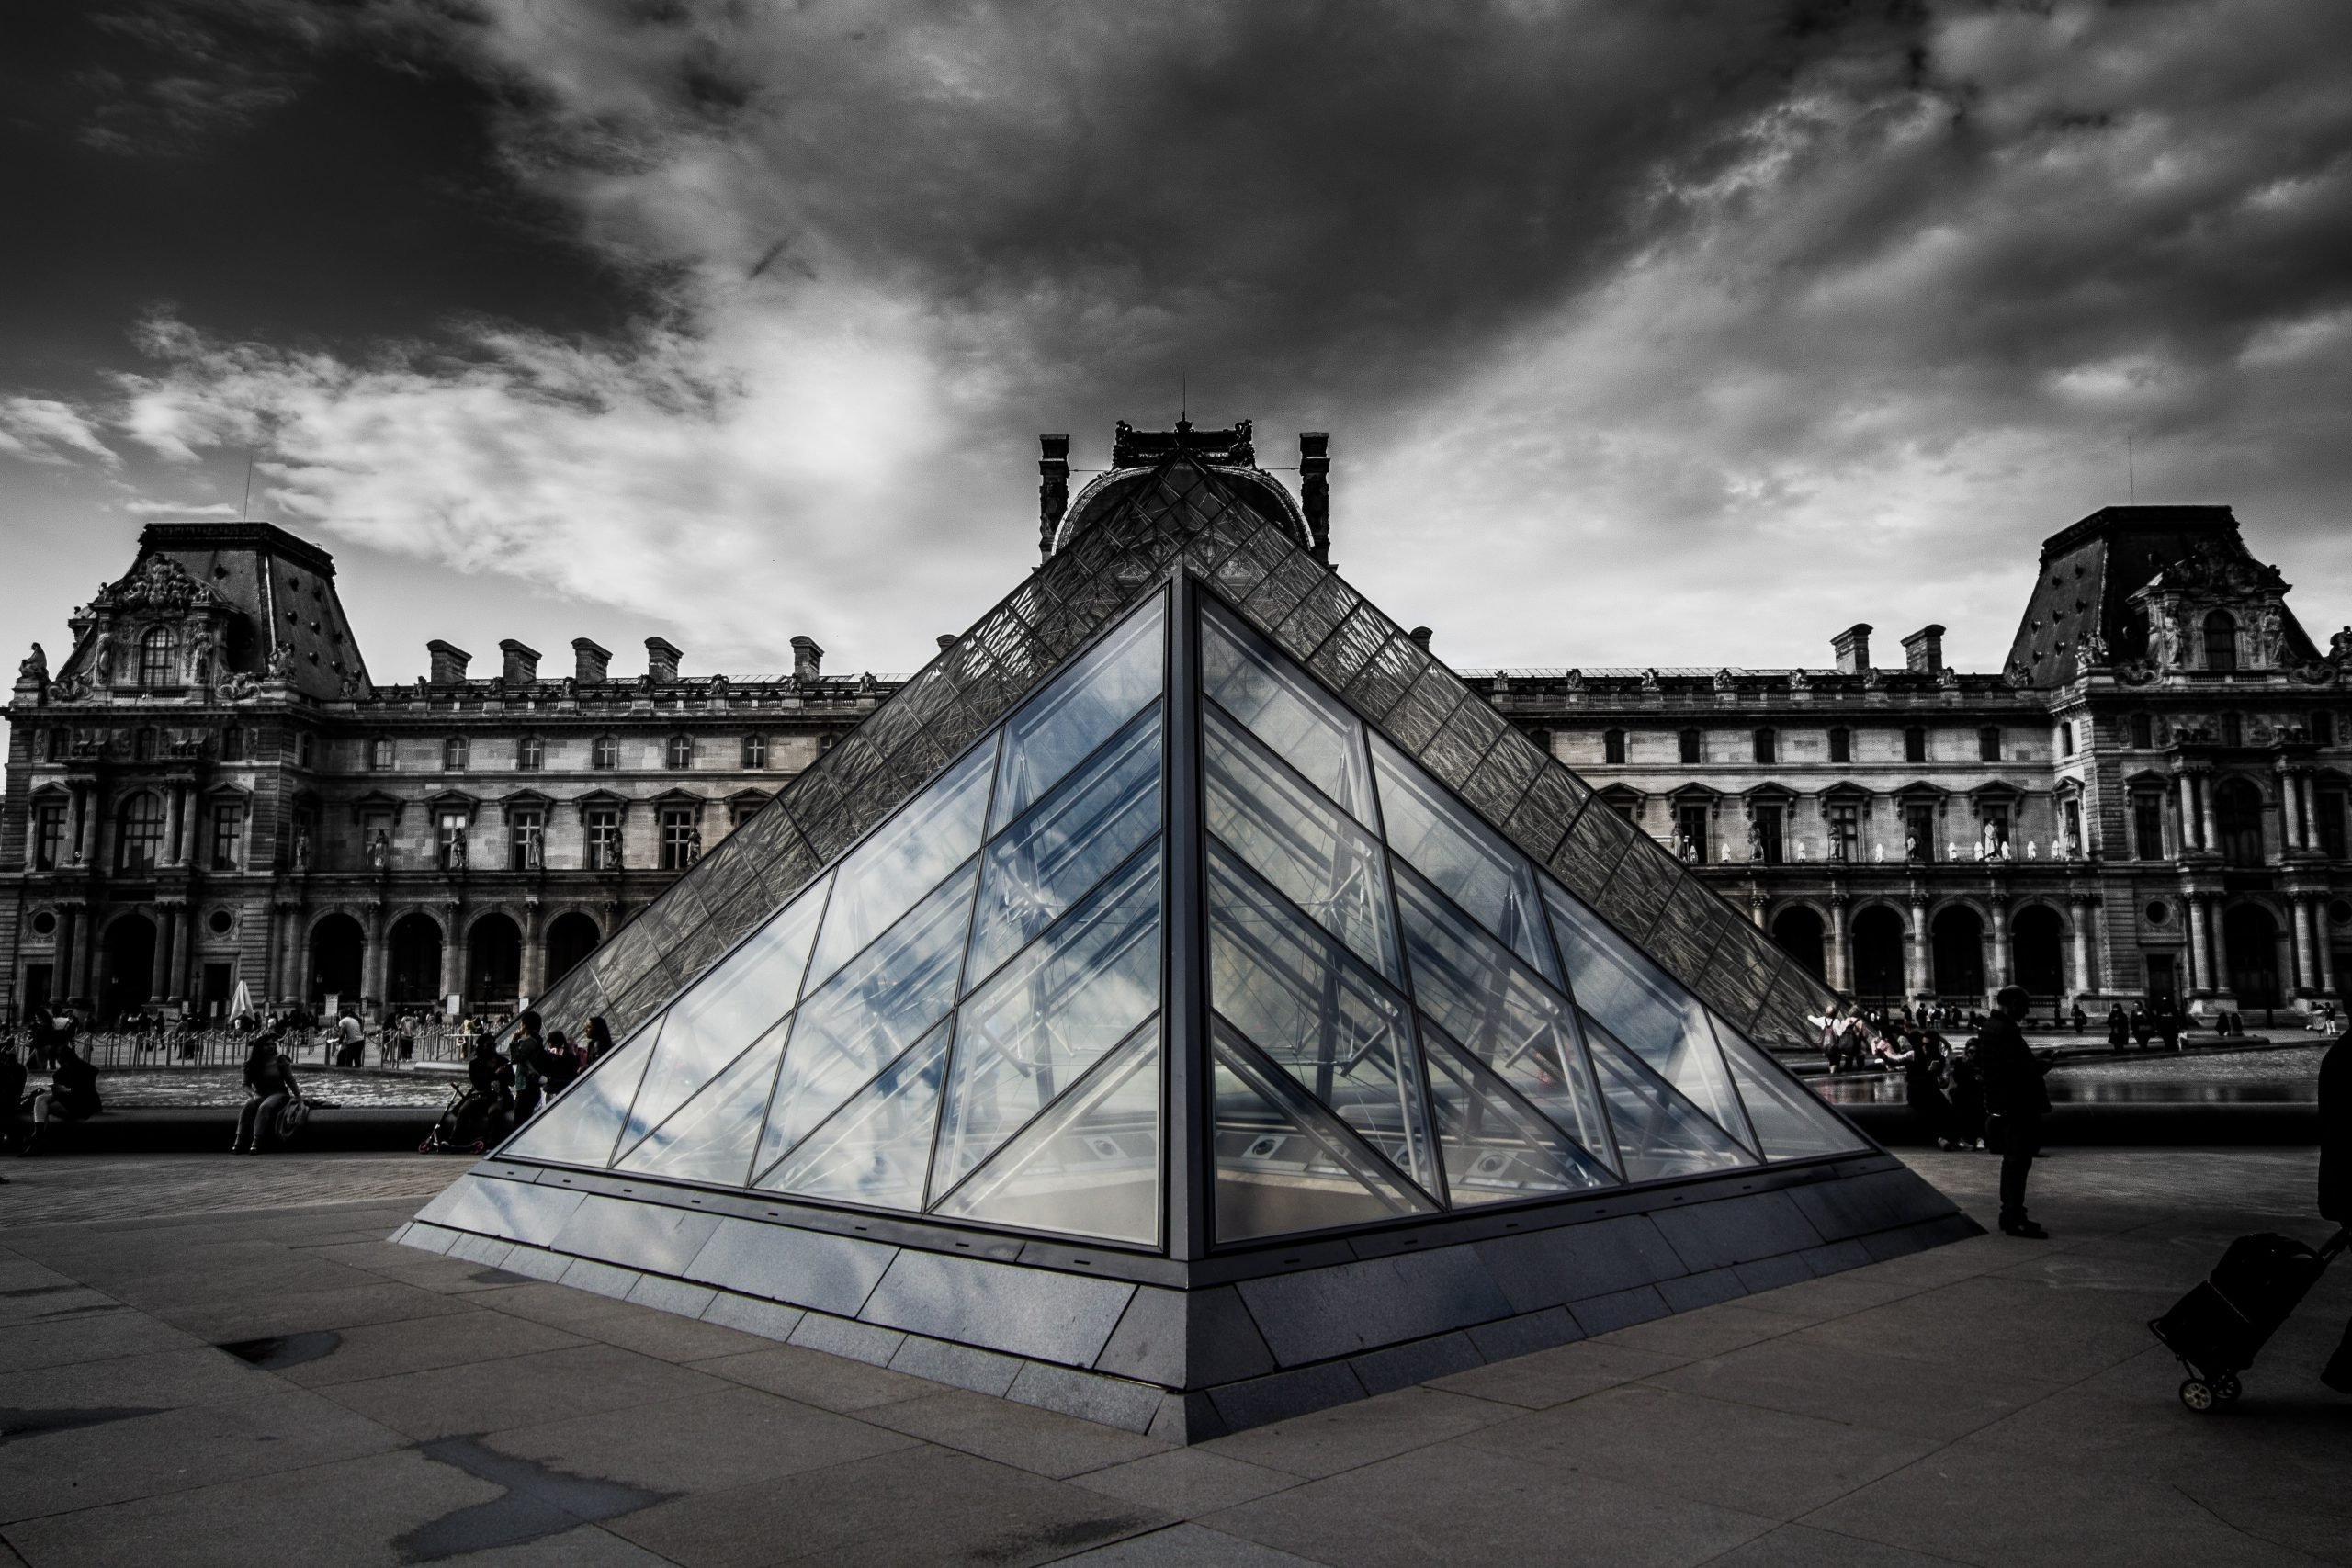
2220, 641
157, 662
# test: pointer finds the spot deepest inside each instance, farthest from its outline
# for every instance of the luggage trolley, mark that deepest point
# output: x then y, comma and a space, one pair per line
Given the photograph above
2217, 1328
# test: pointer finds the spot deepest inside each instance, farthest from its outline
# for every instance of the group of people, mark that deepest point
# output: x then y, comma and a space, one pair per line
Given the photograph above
505, 1089
71, 1094
2162, 1022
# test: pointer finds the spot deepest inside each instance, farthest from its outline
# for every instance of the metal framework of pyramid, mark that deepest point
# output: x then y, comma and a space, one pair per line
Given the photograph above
1185, 1006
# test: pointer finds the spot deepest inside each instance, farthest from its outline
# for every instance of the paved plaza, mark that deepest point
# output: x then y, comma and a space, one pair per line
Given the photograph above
1993, 1402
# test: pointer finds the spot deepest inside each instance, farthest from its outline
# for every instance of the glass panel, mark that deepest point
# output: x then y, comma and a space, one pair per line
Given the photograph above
1092, 822
1087, 1166
865, 1017
1029, 1033
1282, 1164
1659, 1133
1474, 867
581, 1124
1292, 838
1495, 1147
1657, 1019
1519, 1029
883, 877
1290, 712
732, 1006
711, 1136
1318, 1016
1789, 1122
877, 1149
1059, 727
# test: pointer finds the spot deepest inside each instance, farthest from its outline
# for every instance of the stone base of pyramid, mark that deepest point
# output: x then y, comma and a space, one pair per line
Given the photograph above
1187, 1353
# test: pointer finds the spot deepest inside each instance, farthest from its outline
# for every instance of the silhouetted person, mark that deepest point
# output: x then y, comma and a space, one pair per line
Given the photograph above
1918, 1058
2142, 1026
2082, 1018
1967, 1099
2335, 1133
2014, 1093
72, 1094
2119, 1029
12, 1094
528, 1052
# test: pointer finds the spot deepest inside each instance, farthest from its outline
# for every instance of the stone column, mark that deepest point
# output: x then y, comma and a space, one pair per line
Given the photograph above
2326, 948
292, 983
1919, 965
2082, 945
86, 823
1756, 911
2187, 813
176, 975
1841, 958
2000, 942
372, 974
2299, 909
453, 953
68, 951
2199, 956
535, 950
2209, 826
2290, 813
2310, 806
160, 974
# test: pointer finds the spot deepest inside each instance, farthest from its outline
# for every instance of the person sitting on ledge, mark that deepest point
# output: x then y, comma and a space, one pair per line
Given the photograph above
72, 1094
269, 1086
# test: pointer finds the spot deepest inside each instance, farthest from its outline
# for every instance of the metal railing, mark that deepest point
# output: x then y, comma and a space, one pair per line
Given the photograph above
121, 1051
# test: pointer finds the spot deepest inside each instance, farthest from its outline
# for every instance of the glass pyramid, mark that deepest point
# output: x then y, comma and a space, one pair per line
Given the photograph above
1180, 951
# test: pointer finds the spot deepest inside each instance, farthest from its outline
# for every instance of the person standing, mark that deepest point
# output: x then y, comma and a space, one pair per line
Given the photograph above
2119, 1029
2169, 1024
599, 1038
351, 1040
2335, 1133
2016, 1094
1917, 1060
12, 1092
2082, 1018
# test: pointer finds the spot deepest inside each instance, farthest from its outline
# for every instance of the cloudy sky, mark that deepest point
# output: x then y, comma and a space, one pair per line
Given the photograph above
1674, 334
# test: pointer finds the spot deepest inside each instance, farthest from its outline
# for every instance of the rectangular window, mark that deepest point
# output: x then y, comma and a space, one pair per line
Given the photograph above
2074, 824
1996, 818
1631, 810
741, 811
2329, 808
453, 753
2148, 825
2323, 728
1845, 829
2066, 739
2144, 731
1915, 744
142, 833
1768, 832
228, 836
1767, 746
1920, 828
379, 755
452, 837
1690, 743
375, 839
1612, 747
526, 832
755, 751
608, 753
530, 753
680, 841
1841, 745
604, 827
49, 837
57, 739
1691, 821
1988, 744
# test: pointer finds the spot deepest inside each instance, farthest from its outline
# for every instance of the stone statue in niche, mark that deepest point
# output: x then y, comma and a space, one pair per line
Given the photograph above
1991, 848
534, 848
302, 848
380, 851
694, 842
1682, 846
199, 656
2269, 638
1756, 841
102, 658
2032, 851
458, 851
353, 690
1878, 851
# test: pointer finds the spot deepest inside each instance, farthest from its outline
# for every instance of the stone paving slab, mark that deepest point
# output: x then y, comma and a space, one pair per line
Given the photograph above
1994, 1402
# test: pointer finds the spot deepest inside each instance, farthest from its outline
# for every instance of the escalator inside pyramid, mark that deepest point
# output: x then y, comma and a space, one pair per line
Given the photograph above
1185, 1004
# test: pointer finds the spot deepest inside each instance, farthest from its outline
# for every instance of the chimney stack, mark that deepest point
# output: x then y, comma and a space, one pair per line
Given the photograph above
521, 663
1923, 651
661, 658
590, 662
1315, 489
449, 662
1053, 488
807, 658
1853, 646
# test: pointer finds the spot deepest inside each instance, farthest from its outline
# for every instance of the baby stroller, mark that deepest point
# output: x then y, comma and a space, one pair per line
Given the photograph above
470, 1120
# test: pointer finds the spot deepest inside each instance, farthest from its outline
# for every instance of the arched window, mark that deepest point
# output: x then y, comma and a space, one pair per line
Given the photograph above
157, 665
1768, 745
1841, 744
1689, 743
1613, 746
2220, 641
453, 753
530, 753
681, 751
606, 753
141, 838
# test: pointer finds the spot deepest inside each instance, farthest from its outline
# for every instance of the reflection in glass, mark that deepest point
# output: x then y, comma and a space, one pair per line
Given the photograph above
1291, 715
876, 1148
1519, 1028
727, 1010
1474, 868
1051, 1013
1321, 860
581, 1124
904, 860
1283, 1165
1090, 1165
1095, 819
865, 1017
1056, 728
1659, 1133
1317, 1016
1496, 1146
710, 1137
1653, 1017
1789, 1122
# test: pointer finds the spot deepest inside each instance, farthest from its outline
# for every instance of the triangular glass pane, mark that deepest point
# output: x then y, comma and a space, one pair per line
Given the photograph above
1318, 1016
1520, 1028
711, 1136
1051, 1013
1644, 1009
1284, 1166
1046, 860
727, 1010
1297, 719
906, 858
1090, 1165
1659, 1133
866, 1016
1474, 867
579, 1125
1790, 1122
876, 1148
1295, 839
1496, 1146
1059, 727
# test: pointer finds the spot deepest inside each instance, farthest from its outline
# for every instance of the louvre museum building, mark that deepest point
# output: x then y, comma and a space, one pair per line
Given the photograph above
209, 785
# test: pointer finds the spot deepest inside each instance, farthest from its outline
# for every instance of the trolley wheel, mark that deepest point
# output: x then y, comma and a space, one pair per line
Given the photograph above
428, 1147
2198, 1394
479, 1148
2227, 1388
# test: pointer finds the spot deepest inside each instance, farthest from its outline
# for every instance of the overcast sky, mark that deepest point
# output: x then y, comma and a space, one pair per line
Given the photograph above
1670, 333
